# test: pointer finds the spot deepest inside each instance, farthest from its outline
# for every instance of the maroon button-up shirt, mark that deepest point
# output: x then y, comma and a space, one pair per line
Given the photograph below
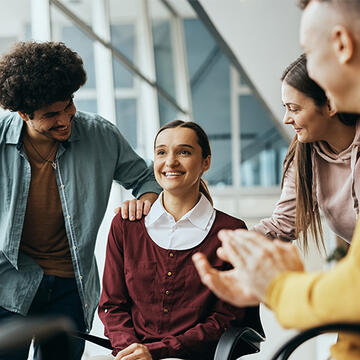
154, 296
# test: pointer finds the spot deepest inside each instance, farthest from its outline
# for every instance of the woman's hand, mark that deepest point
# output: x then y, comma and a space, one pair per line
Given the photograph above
134, 351
137, 208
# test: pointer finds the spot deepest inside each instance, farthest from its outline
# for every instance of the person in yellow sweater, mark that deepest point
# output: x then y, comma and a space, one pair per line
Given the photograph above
271, 271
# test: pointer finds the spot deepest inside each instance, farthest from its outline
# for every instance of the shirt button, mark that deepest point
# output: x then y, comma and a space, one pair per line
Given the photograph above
62, 186
68, 216
167, 292
166, 311
171, 255
169, 273
74, 247
86, 305
80, 277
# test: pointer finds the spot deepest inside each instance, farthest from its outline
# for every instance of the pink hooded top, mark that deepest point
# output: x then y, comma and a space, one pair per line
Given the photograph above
336, 190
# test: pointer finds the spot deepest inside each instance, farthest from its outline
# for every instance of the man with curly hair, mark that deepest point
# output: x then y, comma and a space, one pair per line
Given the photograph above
56, 170
330, 37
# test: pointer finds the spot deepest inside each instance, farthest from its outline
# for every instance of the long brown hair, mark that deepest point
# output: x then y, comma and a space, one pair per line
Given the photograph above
203, 141
307, 213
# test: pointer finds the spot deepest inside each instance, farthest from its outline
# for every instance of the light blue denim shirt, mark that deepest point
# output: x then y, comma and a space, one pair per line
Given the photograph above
95, 155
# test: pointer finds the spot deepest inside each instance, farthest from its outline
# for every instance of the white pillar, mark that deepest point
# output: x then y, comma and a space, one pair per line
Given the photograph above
182, 85
106, 108
235, 127
148, 110
103, 61
40, 20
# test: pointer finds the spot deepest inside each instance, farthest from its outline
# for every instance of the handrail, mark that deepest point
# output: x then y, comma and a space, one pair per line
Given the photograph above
116, 53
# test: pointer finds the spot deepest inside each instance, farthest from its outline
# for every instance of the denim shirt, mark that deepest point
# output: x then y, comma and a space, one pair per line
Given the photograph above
86, 164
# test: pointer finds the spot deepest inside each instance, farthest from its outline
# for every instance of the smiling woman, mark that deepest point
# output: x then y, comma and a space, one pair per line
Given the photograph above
156, 306
310, 121
182, 153
320, 167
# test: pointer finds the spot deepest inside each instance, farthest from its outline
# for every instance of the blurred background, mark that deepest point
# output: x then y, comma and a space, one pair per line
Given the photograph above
214, 62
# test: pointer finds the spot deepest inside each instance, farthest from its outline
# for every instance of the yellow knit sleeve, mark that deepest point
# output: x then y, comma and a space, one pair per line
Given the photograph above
301, 300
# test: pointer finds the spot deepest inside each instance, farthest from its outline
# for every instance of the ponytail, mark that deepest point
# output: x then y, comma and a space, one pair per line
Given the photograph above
205, 190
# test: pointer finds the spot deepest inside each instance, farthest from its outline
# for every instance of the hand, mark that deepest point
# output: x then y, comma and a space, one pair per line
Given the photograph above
134, 351
227, 285
258, 259
136, 208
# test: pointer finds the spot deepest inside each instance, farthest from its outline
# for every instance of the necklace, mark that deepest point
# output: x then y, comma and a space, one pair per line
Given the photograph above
52, 163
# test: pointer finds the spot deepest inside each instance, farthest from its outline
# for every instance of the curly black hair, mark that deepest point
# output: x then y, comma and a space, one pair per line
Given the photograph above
33, 75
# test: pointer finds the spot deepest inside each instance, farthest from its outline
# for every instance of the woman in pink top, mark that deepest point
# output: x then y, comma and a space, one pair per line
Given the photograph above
321, 168
153, 304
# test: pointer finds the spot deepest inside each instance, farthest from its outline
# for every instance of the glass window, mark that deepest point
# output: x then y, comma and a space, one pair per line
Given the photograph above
123, 39
14, 26
75, 39
209, 73
6, 42
126, 119
262, 146
64, 30
163, 43
85, 105
164, 65
123, 33
15, 21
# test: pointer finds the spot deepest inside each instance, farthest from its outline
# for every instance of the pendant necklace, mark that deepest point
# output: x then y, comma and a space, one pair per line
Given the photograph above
52, 163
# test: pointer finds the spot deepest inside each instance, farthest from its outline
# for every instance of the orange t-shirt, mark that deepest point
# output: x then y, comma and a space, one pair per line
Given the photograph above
44, 236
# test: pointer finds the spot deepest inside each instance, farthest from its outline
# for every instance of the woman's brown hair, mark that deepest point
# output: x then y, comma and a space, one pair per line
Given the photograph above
203, 141
307, 213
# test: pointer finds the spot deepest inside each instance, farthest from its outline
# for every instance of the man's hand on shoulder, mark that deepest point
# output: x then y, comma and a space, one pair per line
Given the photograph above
137, 208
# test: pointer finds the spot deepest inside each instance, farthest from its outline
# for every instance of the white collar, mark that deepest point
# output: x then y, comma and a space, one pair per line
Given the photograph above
199, 215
